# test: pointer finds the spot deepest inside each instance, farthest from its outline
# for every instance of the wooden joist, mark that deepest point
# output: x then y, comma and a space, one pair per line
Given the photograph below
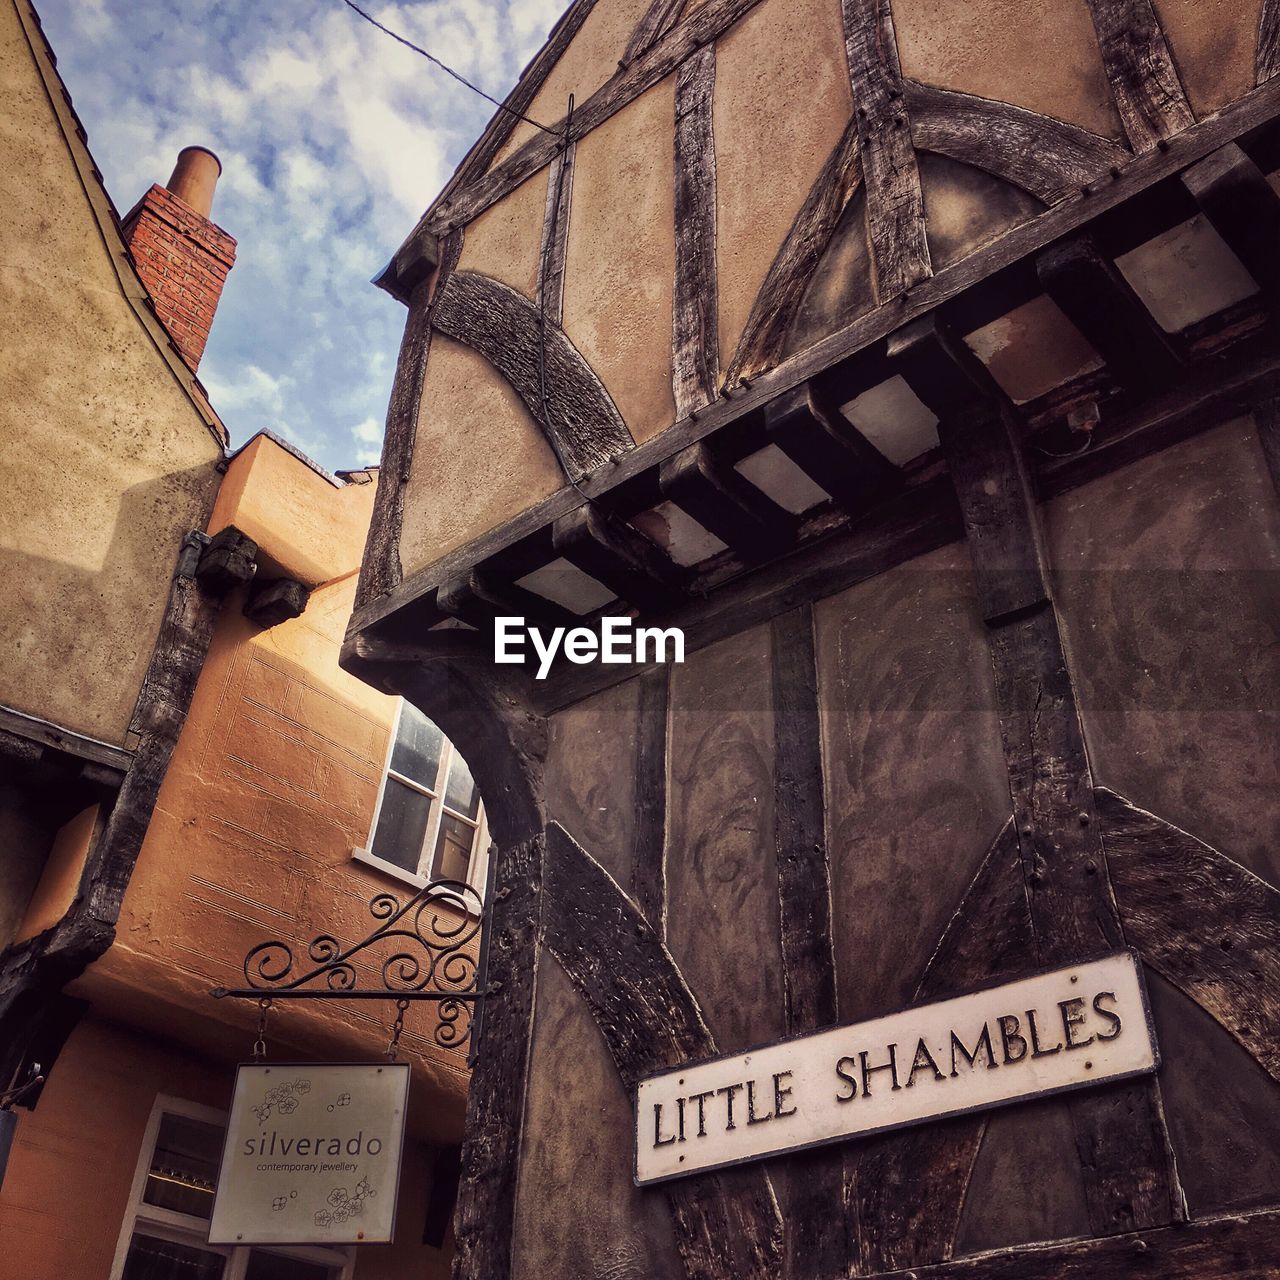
726, 503
1244, 208
277, 601
1100, 302
476, 598
832, 452
620, 557
229, 561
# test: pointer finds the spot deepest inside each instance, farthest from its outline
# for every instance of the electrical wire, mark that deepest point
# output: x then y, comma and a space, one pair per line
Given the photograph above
448, 70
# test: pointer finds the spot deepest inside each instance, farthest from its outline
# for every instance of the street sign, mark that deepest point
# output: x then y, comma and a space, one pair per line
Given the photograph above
312, 1154
1068, 1029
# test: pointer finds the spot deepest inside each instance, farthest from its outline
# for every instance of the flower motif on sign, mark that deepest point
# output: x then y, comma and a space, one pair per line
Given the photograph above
282, 1098
344, 1205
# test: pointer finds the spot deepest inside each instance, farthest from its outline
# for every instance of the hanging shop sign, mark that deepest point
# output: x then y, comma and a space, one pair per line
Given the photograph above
1068, 1029
312, 1154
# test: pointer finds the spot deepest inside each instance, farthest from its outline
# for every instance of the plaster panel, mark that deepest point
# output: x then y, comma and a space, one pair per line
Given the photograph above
621, 257
1039, 54
916, 785
840, 289
1214, 44
590, 779
479, 458
1166, 580
505, 241
578, 1214
722, 885
115, 463
589, 61
967, 208
782, 101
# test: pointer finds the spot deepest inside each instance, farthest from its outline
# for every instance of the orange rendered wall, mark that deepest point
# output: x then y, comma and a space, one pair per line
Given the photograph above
66, 1190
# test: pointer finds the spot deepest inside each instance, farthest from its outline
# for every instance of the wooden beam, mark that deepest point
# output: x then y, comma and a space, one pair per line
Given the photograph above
555, 236
621, 557
649, 850
658, 19
45, 733
912, 1185
989, 478
477, 597
1267, 62
1240, 1247
228, 561
1244, 208
895, 203
649, 1020
1144, 81
578, 416
1267, 417
1046, 157
1102, 304
1205, 923
695, 348
271, 603
726, 503
832, 452
1126, 1162
764, 337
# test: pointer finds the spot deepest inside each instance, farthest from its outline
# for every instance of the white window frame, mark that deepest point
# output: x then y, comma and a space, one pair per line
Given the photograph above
185, 1228
477, 866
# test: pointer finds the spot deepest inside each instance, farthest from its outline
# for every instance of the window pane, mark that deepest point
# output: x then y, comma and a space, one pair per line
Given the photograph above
418, 745
402, 825
453, 849
275, 1266
152, 1259
184, 1166
461, 793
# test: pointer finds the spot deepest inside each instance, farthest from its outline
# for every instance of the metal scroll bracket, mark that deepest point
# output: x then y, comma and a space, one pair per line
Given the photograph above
422, 949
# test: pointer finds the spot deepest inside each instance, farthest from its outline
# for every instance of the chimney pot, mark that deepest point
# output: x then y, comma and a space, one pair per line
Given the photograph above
194, 178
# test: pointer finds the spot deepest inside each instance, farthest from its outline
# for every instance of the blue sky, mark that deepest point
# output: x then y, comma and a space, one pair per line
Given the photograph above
333, 140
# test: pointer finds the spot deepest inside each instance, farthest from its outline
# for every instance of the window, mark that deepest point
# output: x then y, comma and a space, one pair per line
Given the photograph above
165, 1232
429, 824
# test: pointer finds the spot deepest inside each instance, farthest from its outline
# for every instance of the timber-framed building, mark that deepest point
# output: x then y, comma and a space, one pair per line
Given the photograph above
918, 359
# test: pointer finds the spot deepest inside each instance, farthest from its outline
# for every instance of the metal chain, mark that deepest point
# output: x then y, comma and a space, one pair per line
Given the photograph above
393, 1046
260, 1044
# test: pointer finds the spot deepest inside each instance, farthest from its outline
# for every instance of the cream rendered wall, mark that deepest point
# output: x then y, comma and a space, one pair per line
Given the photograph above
110, 460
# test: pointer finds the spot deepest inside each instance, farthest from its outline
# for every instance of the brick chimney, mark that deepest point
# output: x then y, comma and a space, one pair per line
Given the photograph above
181, 256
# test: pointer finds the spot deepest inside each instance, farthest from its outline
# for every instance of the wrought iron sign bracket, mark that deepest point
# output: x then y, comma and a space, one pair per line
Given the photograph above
421, 949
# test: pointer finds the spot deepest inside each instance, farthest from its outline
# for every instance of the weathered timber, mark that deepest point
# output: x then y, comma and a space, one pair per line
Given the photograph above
620, 556
477, 598
555, 237
380, 569
1044, 156
658, 19
895, 202
1267, 417
1239, 1247
484, 1217
719, 499
701, 28
1267, 62
1127, 1165
990, 476
1008, 252
271, 603
1204, 922
45, 733
1244, 208
1101, 303
817, 1221
695, 340
649, 851
912, 1185
832, 452
229, 561
727, 1225
1144, 81
804, 876
579, 418
765, 335
504, 121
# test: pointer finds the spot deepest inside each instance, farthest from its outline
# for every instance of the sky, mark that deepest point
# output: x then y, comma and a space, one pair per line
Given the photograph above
333, 140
